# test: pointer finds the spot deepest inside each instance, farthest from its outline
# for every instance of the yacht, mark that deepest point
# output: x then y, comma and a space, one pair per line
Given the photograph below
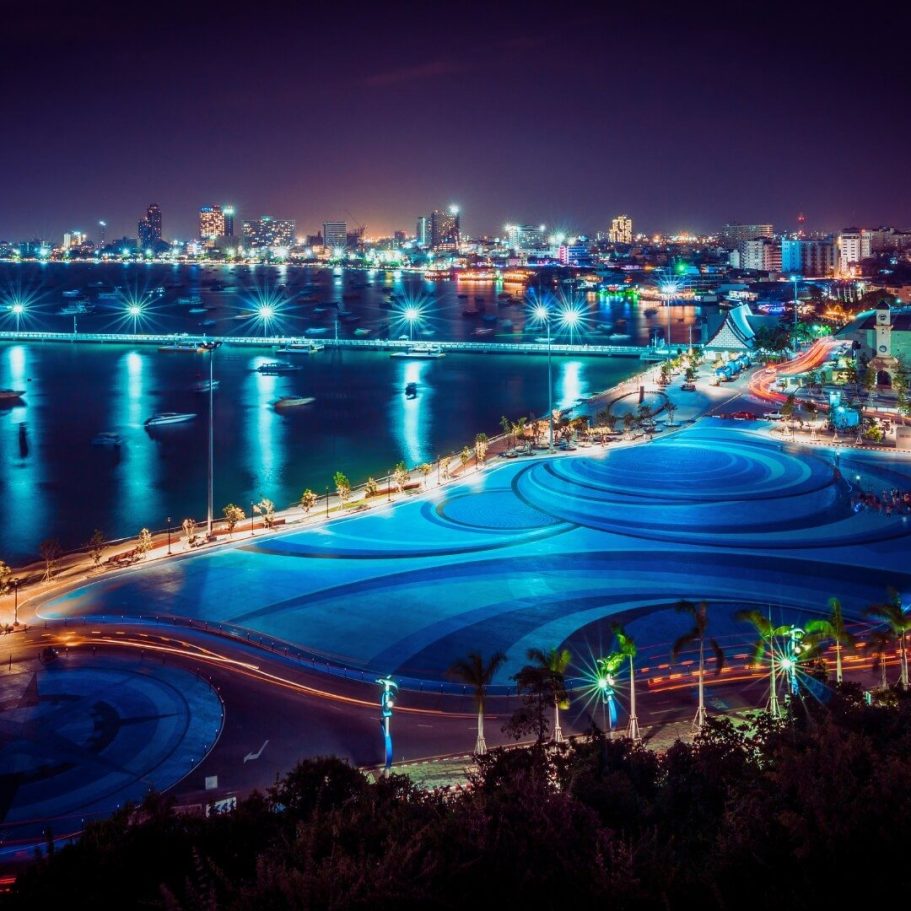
107, 438
204, 386
293, 401
278, 367
420, 351
168, 417
300, 348
193, 300
191, 347
11, 396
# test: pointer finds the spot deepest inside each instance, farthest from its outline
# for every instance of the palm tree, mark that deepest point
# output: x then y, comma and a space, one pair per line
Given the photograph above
477, 674
767, 636
626, 646
554, 663
898, 624
607, 668
700, 614
831, 628
880, 643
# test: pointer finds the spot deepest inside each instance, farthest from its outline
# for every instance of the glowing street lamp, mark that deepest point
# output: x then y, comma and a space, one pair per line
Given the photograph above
266, 313
387, 703
570, 319
134, 311
412, 315
542, 314
17, 309
211, 347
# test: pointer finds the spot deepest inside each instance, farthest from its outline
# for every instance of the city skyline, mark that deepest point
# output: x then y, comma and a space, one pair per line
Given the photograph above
684, 119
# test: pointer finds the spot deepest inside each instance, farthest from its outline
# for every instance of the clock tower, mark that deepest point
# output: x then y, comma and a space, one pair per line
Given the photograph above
883, 362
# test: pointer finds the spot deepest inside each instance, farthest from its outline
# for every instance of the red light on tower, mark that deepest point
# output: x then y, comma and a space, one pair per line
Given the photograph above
801, 221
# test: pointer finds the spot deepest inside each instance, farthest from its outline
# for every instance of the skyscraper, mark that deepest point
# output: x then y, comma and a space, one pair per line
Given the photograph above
733, 235
621, 230
211, 222
335, 235
445, 233
422, 232
228, 212
150, 227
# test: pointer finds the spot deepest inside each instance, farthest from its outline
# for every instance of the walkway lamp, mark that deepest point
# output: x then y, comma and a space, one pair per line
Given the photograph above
387, 703
169, 536
542, 314
211, 347
15, 583
411, 315
17, 310
266, 313
134, 311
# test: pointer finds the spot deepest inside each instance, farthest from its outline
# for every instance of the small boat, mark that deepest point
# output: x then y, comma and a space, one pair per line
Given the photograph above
320, 309
299, 348
73, 293
194, 300
203, 385
482, 333
618, 337
278, 367
420, 351
112, 440
11, 396
188, 347
195, 310
411, 390
293, 401
76, 309
168, 417
361, 332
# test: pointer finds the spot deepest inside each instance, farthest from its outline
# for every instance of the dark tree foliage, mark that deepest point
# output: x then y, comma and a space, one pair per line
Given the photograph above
774, 814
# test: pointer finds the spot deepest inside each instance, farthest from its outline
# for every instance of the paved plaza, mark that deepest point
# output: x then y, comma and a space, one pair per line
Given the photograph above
544, 552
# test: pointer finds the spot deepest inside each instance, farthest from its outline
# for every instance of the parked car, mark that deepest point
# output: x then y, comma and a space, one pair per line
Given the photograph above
773, 416
688, 387
744, 416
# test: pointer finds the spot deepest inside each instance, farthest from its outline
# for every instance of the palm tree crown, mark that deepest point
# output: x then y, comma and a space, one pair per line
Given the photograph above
476, 672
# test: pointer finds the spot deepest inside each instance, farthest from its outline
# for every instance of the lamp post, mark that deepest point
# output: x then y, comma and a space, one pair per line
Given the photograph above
543, 314
251, 519
794, 279
16, 583
412, 314
211, 348
387, 703
135, 311
169, 536
389, 486
18, 309
327, 501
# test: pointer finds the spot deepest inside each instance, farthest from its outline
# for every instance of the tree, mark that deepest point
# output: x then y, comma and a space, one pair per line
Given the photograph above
400, 476
425, 468
233, 514
481, 445
507, 427
551, 666
671, 409
626, 647
144, 541
478, 674
6, 574
371, 487
898, 624
789, 407
189, 529
265, 508
465, 457
96, 546
308, 500
628, 421
643, 413
50, 553
342, 486
831, 629
700, 614
767, 636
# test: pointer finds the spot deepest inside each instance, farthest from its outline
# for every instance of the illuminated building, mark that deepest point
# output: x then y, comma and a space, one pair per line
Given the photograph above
150, 227
733, 236
268, 233
422, 232
445, 233
851, 249
73, 239
621, 230
211, 222
808, 257
228, 212
335, 235
761, 254
526, 238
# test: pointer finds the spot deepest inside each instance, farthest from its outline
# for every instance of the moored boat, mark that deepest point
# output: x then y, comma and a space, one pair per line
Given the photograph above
169, 417
293, 401
420, 351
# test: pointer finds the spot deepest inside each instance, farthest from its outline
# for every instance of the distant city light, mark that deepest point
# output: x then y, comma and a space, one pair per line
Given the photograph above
453, 210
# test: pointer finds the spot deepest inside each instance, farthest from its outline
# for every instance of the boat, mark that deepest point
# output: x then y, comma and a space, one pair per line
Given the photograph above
482, 333
462, 296
293, 401
618, 337
10, 396
109, 296
361, 332
203, 385
168, 417
420, 351
75, 309
73, 293
277, 367
194, 300
300, 348
196, 310
411, 390
316, 330
190, 347
107, 438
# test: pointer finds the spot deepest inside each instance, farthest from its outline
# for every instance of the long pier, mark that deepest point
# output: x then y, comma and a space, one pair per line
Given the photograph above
362, 344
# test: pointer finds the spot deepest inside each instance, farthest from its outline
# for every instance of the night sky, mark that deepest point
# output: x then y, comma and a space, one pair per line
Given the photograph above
552, 113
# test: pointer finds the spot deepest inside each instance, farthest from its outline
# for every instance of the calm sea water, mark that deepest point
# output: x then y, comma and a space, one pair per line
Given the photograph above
54, 483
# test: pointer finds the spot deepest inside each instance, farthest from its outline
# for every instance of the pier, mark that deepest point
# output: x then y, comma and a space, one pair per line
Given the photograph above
361, 344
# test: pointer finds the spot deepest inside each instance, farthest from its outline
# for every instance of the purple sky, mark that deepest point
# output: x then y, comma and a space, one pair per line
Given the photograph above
517, 112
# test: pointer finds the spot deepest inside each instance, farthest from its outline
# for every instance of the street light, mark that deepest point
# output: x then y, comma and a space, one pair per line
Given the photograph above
169, 536
211, 348
411, 314
794, 278
135, 311
17, 310
542, 314
387, 703
251, 519
570, 318
16, 583
266, 312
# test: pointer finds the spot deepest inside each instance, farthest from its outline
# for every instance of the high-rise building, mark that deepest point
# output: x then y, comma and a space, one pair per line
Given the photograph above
268, 233
73, 239
150, 227
761, 254
733, 236
850, 249
814, 258
211, 222
422, 232
621, 230
445, 232
525, 238
335, 235
228, 212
